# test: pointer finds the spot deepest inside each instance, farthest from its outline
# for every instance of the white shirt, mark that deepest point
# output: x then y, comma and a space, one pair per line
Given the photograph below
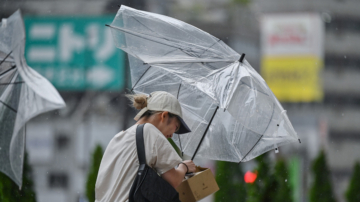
120, 162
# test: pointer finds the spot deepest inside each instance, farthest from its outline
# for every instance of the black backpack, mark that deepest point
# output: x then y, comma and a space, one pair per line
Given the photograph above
148, 185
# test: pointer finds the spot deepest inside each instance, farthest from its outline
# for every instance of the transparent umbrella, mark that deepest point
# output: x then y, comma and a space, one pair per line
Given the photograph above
231, 111
23, 95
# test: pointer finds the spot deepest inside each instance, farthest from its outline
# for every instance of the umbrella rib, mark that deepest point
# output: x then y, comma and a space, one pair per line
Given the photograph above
19, 82
252, 88
261, 135
198, 60
147, 27
139, 35
13, 67
177, 97
270, 117
8, 60
160, 36
176, 50
207, 128
5, 57
169, 72
157, 41
129, 32
210, 46
251, 148
14, 110
140, 78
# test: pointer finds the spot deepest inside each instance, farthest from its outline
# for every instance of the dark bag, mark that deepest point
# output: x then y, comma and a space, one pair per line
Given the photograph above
148, 185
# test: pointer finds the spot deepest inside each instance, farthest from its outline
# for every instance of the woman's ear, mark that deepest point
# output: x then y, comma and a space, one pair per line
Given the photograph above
163, 116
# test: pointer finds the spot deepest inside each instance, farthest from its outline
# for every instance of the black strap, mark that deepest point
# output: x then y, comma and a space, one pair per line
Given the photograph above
140, 146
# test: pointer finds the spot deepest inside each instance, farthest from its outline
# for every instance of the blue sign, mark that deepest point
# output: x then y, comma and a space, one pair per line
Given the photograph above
75, 53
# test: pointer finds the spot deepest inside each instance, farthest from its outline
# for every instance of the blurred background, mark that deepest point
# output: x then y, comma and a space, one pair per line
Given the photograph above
306, 50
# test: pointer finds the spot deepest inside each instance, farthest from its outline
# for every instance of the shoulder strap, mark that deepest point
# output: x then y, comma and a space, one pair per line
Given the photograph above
140, 146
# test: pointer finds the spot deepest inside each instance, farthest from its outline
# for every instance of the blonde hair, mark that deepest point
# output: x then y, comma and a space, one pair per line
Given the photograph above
139, 101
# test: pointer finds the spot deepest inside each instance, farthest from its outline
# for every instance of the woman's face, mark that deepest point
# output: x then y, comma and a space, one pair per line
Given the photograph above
168, 126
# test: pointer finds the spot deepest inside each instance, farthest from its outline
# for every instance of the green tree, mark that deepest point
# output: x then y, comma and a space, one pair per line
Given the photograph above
229, 177
9, 191
353, 192
283, 190
321, 189
92, 175
6, 187
271, 185
263, 189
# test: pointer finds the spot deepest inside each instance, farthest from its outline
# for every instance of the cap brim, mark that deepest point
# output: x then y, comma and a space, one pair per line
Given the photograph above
183, 127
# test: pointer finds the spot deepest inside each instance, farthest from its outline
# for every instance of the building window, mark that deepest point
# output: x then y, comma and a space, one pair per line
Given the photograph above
343, 24
340, 62
62, 141
58, 180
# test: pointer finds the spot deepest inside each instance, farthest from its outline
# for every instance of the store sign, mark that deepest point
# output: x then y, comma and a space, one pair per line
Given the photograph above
74, 53
292, 56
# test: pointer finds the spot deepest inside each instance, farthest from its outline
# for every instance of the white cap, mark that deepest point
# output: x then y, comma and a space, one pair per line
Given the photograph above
164, 101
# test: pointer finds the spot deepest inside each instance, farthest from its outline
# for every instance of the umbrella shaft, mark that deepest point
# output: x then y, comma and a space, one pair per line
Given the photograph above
207, 128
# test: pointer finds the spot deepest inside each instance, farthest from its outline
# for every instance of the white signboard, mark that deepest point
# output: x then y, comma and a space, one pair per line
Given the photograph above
292, 34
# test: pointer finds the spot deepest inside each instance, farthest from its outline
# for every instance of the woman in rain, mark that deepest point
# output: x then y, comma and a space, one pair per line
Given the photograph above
161, 113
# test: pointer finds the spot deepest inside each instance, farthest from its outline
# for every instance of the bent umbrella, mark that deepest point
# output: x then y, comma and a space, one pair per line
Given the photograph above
24, 94
232, 113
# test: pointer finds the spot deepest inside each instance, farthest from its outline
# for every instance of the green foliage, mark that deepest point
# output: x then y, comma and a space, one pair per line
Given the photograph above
321, 190
9, 191
6, 187
262, 189
283, 186
270, 186
353, 192
229, 177
92, 175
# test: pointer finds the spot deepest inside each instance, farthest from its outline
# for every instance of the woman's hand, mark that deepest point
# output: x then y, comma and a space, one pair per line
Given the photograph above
191, 165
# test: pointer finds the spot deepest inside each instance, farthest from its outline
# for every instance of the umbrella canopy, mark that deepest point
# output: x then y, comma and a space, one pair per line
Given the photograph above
23, 95
231, 111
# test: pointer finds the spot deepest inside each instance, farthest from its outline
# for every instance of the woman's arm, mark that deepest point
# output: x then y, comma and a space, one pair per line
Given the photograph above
175, 176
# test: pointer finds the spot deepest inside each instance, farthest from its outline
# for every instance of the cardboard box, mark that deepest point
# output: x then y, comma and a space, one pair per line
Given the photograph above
197, 187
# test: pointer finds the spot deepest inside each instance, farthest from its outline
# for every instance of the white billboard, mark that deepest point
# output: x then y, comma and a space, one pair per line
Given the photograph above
292, 34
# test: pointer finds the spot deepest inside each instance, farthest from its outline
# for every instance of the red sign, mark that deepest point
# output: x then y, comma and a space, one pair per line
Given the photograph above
288, 35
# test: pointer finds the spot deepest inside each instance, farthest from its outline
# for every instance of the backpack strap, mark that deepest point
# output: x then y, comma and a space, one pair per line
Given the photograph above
140, 147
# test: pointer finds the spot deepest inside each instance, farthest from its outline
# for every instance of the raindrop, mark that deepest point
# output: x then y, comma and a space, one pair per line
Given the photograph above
342, 114
285, 180
326, 17
345, 56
